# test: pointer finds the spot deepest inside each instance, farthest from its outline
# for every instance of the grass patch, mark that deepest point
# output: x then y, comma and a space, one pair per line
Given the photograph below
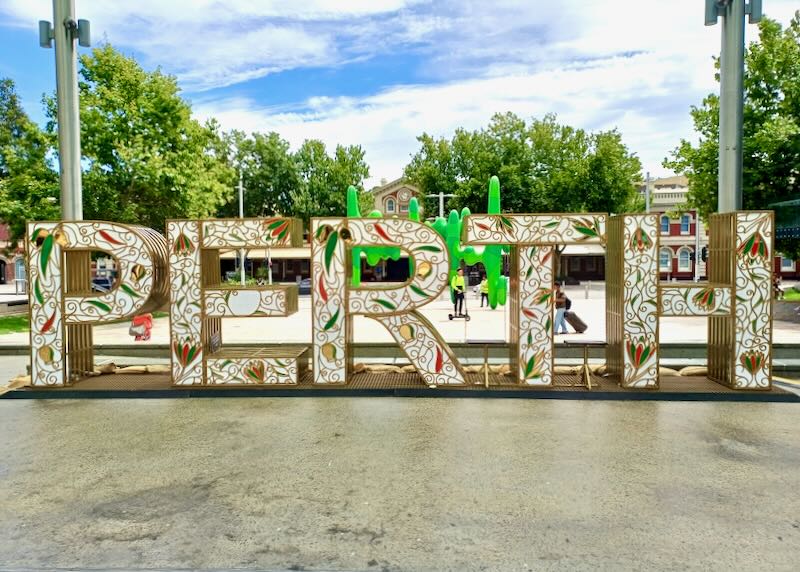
792, 295
13, 324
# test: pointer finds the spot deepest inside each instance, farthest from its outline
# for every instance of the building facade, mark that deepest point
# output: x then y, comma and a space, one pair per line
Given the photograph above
392, 198
12, 258
682, 235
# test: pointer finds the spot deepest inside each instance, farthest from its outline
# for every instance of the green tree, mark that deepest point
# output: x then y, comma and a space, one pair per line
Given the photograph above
145, 158
28, 184
771, 130
269, 174
543, 166
322, 190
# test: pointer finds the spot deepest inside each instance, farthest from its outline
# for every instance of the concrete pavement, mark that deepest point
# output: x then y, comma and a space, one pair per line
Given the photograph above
398, 484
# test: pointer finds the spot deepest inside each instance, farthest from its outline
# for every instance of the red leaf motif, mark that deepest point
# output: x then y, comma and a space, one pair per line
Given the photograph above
528, 313
322, 292
280, 229
482, 226
439, 360
49, 323
382, 232
108, 237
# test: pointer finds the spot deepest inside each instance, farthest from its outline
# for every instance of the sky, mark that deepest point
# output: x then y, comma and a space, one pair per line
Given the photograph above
378, 73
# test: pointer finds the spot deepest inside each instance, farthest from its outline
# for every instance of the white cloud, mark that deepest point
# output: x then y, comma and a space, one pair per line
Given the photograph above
604, 95
633, 64
215, 43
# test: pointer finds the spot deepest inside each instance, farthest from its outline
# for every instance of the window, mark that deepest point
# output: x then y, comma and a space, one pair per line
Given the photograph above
389, 205
684, 259
591, 264
686, 220
664, 224
574, 264
403, 208
20, 269
665, 259
787, 264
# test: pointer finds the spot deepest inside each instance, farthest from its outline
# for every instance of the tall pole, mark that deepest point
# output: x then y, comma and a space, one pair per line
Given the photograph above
647, 193
69, 135
441, 196
696, 247
730, 105
241, 215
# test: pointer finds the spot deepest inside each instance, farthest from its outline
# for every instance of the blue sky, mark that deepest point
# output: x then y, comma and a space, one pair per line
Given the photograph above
378, 73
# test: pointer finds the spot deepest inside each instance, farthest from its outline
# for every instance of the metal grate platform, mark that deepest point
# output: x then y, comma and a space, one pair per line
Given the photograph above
408, 385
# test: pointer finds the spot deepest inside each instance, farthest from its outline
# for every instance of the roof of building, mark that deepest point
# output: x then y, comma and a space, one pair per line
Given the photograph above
673, 181
391, 185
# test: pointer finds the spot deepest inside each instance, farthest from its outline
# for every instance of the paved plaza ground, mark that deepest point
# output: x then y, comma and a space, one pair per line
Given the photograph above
399, 484
485, 324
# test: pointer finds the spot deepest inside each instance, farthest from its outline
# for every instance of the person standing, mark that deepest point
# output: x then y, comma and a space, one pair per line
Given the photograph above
561, 308
484, 290
459, 287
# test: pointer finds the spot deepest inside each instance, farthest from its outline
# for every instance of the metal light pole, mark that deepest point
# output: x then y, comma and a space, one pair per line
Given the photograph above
647, 193
696, 247
65, 31
441, 196
241, 215
731, 98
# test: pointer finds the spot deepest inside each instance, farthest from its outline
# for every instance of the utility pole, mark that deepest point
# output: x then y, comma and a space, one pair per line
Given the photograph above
647, 193
241, 215
441, 196
65, 30
731, 97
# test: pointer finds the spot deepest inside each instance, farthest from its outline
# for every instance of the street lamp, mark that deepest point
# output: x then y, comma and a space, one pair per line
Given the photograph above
441, 196
731, 71
65, 31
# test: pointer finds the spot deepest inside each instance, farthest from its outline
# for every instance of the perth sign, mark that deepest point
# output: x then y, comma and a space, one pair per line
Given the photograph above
182, 269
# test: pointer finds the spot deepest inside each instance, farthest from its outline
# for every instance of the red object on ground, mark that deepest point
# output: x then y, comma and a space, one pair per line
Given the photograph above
144, 323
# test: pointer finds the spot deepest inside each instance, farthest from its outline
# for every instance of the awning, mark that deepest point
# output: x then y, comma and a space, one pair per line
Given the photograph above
277, 253
584, 250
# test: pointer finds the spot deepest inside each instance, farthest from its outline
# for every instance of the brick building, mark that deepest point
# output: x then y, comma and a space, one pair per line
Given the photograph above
12, 258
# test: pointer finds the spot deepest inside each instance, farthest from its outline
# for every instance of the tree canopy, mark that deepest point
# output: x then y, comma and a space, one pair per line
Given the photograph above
28, 184
305, 183
543, 166
145, 158
771, 130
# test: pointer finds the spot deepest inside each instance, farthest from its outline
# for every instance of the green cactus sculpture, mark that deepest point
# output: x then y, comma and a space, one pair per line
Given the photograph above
450, 230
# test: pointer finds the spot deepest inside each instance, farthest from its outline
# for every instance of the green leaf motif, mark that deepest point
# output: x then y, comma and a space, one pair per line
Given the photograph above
551, 224
385, 303
330, 247
529, 365
130, 291
530, 338
585, 230
428, 248
47, 248
100, 305
419, 291
329, 324
38, 292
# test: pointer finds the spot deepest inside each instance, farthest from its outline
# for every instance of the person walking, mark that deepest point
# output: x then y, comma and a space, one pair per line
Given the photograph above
561, 308
459, 287
484, 290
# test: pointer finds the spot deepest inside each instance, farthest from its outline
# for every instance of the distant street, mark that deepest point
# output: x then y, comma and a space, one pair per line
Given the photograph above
485, 324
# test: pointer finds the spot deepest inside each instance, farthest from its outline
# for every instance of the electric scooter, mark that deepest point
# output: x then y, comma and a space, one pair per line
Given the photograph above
464, 316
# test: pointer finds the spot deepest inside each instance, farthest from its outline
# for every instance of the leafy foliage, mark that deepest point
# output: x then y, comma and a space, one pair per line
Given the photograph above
145, 158
771, 130
28, 184
544, 167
